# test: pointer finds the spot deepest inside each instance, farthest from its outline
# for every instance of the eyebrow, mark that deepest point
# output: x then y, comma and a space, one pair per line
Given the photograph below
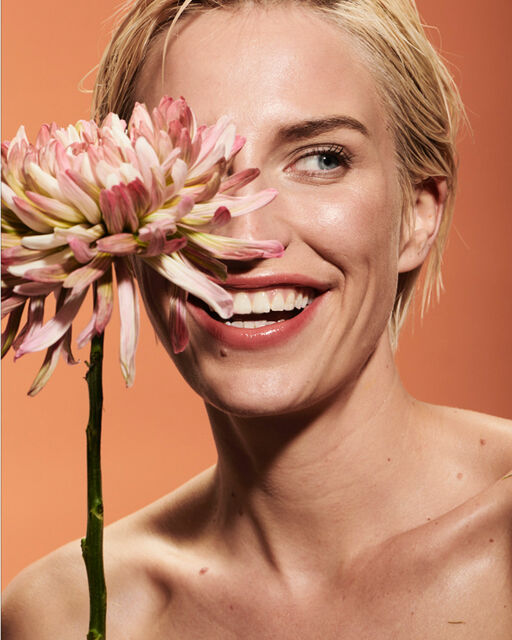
311, 128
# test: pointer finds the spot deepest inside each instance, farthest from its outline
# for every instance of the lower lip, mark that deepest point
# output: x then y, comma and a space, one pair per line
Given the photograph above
268, 336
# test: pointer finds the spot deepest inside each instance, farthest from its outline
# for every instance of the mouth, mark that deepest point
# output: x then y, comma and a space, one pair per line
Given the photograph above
268, 310
256, 308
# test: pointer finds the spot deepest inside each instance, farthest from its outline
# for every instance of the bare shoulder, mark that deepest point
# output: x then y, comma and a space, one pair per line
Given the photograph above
476, 531
49, 599
479, 443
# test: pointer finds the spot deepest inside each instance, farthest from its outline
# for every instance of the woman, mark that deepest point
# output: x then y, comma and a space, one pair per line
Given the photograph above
336, 509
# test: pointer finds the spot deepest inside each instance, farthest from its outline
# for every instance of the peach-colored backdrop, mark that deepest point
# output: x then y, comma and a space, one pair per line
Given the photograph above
155, 434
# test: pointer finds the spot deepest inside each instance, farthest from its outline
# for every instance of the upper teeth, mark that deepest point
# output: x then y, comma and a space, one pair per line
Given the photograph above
265, 300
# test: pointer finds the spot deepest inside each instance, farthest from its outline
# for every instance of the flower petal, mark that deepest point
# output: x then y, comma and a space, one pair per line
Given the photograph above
227, 248
56, 327
177, 320
57, 258
181, 274
129, 313
11, 303
80, 199
119, 244
81, 278
36, 288
104, 301
47, 368
56, 208
11, 328
34, 320
238, 180
28, 214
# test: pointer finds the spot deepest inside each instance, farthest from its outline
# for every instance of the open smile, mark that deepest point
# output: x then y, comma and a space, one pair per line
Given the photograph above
263, 315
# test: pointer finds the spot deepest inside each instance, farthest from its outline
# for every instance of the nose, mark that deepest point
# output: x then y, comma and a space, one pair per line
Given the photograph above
266, 222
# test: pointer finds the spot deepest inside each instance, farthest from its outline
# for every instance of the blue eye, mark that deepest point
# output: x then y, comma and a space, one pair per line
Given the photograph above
317, 161
327, 161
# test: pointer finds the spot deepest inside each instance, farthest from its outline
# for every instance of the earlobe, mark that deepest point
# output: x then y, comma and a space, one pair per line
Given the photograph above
418, 237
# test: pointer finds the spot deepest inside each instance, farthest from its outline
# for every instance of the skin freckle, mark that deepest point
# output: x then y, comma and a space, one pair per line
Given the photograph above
483, 442
460, 475
491, 539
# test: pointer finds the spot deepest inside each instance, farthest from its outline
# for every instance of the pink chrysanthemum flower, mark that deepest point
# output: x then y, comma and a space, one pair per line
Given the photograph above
87, 200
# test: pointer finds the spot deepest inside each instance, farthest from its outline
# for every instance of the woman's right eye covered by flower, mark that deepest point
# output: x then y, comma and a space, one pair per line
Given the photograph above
86, 201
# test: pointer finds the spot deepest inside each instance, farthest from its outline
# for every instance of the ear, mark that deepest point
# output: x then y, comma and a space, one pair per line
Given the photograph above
418, 236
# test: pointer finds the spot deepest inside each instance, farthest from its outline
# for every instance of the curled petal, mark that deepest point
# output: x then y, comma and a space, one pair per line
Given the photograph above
238, 180
47, 368
81, 278
104, 301
53, 275
55, 328
74, 194
118, 210
129, 313
227, 248
45, 182
28, 214
175, 244
179, 273
81, 249
205, 262
34, 320
177, 319
221, 217
66, 352
43, 242
120, 244
237, 145
41, 261
11, 329
179, 174
11, 303
147, 157
210, 188
36, 288
240, 205
215, 140
56, 208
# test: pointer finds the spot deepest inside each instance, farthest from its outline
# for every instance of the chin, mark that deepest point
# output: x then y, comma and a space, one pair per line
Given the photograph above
243, 387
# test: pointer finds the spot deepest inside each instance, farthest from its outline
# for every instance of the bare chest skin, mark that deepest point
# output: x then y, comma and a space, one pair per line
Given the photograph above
445, 580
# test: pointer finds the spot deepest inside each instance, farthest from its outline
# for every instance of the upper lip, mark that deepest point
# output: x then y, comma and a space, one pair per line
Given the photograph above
272, 280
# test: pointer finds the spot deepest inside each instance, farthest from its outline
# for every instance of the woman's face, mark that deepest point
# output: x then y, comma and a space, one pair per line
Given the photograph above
300, 93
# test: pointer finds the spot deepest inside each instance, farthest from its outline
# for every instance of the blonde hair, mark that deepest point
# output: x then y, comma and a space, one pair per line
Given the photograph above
418, 91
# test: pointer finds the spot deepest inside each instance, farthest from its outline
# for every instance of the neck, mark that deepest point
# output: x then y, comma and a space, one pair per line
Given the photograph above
320, 482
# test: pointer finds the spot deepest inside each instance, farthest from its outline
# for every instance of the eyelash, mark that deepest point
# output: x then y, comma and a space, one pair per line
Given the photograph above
343, 157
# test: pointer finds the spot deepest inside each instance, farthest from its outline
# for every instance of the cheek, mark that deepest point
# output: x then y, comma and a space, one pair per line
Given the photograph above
355, 228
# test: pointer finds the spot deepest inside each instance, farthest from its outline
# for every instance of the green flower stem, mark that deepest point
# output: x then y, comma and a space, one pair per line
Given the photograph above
92, 544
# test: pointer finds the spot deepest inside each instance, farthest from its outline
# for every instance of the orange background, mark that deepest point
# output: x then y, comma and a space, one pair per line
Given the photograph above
156, 434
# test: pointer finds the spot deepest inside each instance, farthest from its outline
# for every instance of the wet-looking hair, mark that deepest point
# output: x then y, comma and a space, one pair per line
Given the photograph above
418, 92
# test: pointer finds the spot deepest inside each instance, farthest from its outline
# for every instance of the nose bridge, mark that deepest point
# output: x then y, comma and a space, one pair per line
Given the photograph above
264, 223
260, 223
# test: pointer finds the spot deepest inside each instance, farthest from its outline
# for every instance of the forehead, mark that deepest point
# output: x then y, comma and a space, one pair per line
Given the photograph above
263, 67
